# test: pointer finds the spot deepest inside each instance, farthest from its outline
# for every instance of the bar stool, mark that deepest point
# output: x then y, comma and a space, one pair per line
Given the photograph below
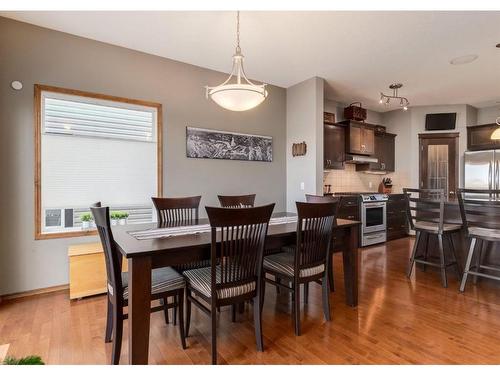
480, 210
426, 216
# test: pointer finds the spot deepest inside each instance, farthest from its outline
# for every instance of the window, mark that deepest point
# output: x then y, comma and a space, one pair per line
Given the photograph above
90, 148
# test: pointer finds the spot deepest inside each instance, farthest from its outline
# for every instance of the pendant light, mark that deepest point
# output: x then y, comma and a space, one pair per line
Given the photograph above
237, 93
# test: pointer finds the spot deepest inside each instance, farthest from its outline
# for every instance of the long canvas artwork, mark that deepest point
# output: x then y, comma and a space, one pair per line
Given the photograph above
216, 144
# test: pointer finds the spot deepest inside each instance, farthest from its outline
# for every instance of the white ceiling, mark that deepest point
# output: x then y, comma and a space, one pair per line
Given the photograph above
358, 53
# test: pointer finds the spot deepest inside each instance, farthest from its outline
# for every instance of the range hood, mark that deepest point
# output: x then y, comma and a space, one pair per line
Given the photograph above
359, 159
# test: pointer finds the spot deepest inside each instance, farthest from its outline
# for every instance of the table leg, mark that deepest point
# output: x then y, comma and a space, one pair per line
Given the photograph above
350, 260
139, 309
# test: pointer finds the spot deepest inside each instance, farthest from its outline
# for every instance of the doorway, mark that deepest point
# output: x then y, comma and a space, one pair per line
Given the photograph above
438, 162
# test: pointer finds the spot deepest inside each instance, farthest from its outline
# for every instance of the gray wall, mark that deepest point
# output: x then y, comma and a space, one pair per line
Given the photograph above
304, 122
487, 115
36, 55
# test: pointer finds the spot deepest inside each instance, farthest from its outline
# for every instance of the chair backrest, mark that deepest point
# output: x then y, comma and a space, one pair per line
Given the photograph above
238, 240
325, 199
112, 256
479, 208
314, 234
425, 205
177, 211
236, 201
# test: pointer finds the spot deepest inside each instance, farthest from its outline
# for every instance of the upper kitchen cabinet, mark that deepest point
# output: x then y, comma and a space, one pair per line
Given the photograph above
334, 146
384, 152
478, 137
360, 138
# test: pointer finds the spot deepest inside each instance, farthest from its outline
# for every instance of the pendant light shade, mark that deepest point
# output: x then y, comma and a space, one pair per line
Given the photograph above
237, 93
496, 134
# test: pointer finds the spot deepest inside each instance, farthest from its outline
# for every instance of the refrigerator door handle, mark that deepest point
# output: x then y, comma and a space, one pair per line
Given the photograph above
490, 174
497, 177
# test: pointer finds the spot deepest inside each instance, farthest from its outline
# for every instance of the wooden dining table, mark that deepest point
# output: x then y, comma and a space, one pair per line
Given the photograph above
143, 255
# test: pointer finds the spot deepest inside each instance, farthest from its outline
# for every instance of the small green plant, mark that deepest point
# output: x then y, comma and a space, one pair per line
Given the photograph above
29, 360
114, 215
119, 215
86, 217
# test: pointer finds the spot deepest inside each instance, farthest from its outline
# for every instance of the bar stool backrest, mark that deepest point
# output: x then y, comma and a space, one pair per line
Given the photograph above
480, 208
426, 205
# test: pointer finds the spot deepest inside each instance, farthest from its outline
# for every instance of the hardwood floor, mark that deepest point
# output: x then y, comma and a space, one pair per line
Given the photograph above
398, 321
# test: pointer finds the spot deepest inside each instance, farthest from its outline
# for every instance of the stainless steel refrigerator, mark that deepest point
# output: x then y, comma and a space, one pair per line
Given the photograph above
482, 169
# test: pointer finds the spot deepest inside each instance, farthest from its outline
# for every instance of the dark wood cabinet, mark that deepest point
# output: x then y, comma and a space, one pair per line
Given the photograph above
334, 146
478, 137
396, 217
349, 208
384, 152
360, 138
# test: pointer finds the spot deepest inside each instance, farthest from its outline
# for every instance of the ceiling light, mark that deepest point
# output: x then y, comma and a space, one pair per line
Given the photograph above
403, 102
241, 95
463, 59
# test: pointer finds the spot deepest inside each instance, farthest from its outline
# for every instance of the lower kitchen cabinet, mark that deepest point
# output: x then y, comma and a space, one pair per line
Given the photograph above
349, 208
397, 224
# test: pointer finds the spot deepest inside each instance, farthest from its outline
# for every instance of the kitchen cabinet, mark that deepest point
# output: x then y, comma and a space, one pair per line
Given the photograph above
360, 137
478, 137
334, 146
384, 152
397, 226
349, 208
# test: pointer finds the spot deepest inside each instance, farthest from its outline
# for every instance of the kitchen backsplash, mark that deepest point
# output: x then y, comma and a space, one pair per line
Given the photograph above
350, 180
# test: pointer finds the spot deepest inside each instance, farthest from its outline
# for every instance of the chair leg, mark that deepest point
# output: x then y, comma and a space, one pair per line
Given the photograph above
330, 275
278, 280
262, 293
482, 245
180, 305
188, 311
117, 334
467, 264
257, 321
412, 258
233, 313
444, 280
306, 293
241, 307
176, 301
454, 252
213, 315
296, 314
326, 297
164, 302
426, 250
109, 322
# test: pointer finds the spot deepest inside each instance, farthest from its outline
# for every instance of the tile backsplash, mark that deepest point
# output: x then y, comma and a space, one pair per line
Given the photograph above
349, 180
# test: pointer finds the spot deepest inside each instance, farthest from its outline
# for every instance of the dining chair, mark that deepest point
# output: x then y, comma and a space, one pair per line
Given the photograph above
480, 210
236, 201
165, 282
309, 261
181, 211
324, 199
238, 241
425, 213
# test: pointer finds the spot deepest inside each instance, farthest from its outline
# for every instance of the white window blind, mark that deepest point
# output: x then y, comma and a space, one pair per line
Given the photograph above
96, 150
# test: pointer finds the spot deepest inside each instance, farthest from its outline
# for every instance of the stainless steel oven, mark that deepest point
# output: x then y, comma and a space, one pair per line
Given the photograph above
373, 219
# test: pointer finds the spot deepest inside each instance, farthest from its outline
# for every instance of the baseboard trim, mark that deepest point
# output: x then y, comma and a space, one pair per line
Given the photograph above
34, 292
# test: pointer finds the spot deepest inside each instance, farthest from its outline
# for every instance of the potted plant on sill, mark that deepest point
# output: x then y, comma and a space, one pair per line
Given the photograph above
86, 218
123, 218
114, 216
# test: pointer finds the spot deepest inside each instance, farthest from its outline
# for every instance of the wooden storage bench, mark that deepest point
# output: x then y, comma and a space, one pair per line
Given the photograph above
87, 270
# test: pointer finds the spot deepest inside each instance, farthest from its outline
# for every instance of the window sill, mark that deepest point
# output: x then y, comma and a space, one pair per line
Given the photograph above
80, 233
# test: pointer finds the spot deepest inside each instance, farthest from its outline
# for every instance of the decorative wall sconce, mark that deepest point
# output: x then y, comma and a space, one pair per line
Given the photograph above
299, 149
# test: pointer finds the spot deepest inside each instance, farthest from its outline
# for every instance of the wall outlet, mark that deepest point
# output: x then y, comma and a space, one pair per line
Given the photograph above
302, 186
370, 184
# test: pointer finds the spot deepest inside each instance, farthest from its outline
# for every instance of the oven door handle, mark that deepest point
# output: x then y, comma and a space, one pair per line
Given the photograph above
374, 205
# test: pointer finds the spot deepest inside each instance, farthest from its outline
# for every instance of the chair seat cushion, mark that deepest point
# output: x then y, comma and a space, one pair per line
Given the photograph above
200, 279
283, 263
163, 280
428, 226
485, 233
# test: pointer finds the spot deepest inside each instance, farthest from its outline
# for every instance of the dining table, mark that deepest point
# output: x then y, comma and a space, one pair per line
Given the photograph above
145, 247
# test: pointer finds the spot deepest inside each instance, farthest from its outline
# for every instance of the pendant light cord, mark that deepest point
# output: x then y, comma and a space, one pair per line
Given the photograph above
238, 49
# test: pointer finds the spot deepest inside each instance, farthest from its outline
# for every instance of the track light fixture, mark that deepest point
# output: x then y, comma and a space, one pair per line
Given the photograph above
386, 99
